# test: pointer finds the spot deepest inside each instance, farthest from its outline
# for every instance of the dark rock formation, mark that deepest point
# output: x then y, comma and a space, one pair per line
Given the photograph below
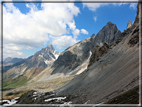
98, 53
78, 53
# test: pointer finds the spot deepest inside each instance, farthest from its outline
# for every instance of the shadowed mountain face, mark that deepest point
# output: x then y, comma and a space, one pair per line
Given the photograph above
74, 56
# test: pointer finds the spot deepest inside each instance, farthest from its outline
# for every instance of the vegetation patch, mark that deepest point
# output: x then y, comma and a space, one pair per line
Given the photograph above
14, 83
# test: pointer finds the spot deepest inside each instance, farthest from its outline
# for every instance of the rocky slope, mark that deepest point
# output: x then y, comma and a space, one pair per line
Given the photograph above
114, 70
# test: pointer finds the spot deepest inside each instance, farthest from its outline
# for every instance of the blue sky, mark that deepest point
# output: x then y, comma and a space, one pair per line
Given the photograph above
28, 27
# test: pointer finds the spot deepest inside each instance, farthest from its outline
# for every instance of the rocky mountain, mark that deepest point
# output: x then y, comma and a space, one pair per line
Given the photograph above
41, 59
11, 61
75, 59
76, 55
113, 71
7, 66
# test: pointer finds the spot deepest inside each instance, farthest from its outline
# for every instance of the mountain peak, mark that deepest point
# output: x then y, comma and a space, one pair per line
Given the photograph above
107, 34
50, 45
109, 23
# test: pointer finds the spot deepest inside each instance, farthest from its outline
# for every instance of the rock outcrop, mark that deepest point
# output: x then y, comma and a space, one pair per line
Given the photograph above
98, 53
129, 24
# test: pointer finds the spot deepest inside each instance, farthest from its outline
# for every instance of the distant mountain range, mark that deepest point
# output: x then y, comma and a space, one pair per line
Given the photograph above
12, 62
41, 59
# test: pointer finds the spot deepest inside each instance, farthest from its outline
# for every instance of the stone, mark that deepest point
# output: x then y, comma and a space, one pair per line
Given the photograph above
129, 24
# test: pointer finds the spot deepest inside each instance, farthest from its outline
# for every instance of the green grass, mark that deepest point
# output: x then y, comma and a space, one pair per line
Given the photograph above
14, 83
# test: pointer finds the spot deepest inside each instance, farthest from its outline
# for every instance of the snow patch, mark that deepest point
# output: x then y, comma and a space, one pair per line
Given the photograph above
9, 103
56, 55
40, 56
89, 55
46, 61
58, 99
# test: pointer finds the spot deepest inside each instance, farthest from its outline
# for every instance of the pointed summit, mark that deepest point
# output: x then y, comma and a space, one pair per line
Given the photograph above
49, 45
108, 34
129, 24
109, 23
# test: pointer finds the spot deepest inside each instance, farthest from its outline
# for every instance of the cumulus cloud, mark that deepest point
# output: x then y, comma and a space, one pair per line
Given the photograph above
63, 41
75, 31
12, 47
32, 29
12, 50
84, 31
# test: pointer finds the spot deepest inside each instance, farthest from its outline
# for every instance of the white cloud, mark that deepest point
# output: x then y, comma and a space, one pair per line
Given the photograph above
95, 18
12, 50
133, 5
75, 31
63, 41
20, 53
72, 25
84, 31
32, 30
25, 29
95, 6
12, 47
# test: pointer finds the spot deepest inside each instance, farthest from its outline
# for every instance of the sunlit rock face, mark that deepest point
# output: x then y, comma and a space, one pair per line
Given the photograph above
129, 24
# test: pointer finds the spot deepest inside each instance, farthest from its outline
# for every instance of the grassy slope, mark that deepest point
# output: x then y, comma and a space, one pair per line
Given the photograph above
14, 83
21, 80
